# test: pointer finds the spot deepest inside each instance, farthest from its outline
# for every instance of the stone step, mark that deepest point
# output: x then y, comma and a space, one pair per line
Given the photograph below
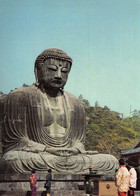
40, 193
137, 193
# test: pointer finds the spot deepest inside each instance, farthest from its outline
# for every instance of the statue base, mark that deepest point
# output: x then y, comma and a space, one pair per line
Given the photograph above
62, 184
19, 185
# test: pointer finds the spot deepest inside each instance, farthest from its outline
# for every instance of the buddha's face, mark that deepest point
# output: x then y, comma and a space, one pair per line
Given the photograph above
54, 73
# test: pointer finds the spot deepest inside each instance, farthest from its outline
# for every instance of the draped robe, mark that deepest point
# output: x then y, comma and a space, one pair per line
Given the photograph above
27, 131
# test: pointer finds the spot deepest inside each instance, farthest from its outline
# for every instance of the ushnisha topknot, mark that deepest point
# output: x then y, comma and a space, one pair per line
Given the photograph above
51, 53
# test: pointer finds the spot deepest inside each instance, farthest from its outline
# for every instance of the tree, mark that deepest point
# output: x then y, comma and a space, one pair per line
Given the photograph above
108, 132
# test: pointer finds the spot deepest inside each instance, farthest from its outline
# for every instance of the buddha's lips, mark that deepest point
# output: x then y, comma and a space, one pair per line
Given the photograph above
56, 82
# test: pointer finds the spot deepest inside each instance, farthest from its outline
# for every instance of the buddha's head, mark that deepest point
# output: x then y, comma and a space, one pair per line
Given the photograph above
52, 67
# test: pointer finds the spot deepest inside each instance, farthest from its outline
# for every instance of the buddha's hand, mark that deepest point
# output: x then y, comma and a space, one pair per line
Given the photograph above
91, 152
65, 152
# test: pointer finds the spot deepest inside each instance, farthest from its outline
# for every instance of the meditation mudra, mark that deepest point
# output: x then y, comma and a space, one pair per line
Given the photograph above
44, 127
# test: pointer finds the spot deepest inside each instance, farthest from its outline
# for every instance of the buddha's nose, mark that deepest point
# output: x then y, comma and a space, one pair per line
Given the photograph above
58, 75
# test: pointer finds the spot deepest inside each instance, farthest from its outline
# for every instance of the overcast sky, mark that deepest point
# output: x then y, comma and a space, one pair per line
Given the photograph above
101, 36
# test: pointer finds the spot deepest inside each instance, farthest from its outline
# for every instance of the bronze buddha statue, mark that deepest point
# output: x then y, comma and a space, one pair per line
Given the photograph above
44, 126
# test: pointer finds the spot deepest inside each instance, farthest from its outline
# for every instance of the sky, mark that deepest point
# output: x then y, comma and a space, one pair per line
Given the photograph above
101, 36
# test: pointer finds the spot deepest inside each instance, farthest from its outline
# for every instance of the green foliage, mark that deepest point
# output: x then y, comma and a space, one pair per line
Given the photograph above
107, 131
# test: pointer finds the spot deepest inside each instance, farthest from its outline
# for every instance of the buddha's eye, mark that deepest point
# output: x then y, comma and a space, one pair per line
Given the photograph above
52, 67
65, 70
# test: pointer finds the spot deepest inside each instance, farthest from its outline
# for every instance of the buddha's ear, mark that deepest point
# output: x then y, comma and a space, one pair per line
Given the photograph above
36, 75
69, 65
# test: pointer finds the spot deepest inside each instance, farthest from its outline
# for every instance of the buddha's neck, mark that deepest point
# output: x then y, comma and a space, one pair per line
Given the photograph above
52, 92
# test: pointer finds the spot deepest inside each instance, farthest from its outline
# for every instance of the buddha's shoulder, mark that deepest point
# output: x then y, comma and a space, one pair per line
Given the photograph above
73, 98
23, 91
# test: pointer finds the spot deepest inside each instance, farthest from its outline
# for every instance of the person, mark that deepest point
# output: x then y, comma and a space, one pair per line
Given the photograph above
33, 183
133, 178
44, 126
48, 182
122, 179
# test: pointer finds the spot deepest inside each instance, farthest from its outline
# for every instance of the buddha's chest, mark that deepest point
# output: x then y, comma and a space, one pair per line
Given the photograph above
54, 114
55, 117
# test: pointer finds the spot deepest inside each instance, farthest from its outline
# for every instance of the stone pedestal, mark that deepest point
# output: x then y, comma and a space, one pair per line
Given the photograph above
62, 184
18, 185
